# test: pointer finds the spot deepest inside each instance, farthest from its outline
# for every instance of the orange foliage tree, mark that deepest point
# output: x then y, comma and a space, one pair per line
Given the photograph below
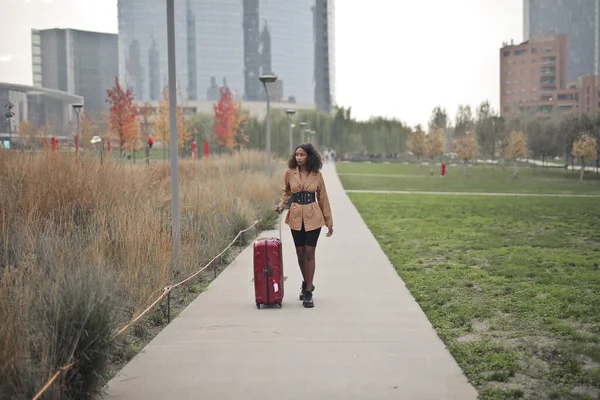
88, 131
229, 120
162, 125
122, 119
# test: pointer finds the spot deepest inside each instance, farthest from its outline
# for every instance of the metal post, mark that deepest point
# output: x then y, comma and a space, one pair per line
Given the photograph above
268, 130
10, 146
291, 136
290, 112
77, 142
169, 306
9, 114
173, 127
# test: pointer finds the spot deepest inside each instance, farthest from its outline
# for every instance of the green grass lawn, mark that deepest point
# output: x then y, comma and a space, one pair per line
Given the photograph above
511, 284
378, 176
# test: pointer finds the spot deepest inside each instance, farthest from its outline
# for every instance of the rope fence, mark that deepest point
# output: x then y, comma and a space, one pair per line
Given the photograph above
166, 293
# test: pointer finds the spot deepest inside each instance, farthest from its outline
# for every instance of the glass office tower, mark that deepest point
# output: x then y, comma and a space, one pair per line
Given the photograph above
223, 43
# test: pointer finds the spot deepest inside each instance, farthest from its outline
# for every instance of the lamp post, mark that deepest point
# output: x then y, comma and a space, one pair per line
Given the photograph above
9, 114
314, 134
171, 65
290, 112
77, 108
268, 79
302, 129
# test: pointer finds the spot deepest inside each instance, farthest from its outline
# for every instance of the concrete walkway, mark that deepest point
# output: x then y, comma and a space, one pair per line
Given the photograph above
366, 338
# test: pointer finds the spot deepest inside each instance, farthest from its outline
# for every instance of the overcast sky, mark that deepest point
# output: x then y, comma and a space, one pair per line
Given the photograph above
395, 58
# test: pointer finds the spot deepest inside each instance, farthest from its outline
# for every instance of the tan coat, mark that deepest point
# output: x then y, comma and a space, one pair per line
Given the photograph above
314, 215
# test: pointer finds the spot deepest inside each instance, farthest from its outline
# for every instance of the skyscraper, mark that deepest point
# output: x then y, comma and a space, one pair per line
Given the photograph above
578, 20
77, 62
227, 42
252, 86
324, 32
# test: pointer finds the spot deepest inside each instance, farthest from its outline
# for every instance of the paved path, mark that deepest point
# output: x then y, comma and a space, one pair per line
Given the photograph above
472, 193
366, 338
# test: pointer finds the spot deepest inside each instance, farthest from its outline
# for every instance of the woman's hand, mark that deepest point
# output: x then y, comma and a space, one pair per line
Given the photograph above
278, 209
330, 231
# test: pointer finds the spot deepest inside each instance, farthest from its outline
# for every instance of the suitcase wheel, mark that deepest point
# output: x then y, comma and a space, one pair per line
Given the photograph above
279, 304
258, 305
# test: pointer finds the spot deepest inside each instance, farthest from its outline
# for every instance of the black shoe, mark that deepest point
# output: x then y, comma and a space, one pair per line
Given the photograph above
303, 289
308, 300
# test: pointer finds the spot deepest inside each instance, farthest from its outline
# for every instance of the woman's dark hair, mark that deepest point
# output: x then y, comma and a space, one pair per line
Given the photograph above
313, 158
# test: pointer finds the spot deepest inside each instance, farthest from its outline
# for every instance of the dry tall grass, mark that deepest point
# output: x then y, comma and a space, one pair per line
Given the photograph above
85, 247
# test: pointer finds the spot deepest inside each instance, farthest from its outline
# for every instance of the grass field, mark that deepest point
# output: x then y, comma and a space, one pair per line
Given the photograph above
478, 179
511, 284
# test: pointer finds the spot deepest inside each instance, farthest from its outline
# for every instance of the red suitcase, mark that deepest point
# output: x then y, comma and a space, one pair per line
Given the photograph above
268, 271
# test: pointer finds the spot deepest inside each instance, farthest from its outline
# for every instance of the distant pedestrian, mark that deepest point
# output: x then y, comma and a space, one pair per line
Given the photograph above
443, 169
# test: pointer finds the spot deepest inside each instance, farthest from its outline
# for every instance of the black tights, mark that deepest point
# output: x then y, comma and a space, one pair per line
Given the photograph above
306, 261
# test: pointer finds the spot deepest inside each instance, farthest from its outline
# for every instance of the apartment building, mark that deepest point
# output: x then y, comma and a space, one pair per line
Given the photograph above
533, 78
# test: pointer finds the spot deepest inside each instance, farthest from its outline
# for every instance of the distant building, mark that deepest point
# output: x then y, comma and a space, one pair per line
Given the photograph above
533, 78
44, 109
77, 62
578, 20
324, 26
230, 43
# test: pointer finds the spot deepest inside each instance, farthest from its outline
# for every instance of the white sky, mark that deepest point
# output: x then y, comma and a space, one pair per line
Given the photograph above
395, 58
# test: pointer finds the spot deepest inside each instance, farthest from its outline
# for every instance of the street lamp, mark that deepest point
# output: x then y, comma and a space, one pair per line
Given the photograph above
9, 114
77, 108
302, 129
290, 112
268, 79
313, 133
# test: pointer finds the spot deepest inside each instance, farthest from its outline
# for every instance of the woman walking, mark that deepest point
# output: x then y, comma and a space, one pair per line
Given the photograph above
309, 211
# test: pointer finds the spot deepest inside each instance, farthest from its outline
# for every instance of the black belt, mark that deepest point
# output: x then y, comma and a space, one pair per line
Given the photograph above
304, 197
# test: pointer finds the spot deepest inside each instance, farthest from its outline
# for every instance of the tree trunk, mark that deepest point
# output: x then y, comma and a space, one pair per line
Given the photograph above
465, 168
544, 161
516, 170
431, 167
581, 171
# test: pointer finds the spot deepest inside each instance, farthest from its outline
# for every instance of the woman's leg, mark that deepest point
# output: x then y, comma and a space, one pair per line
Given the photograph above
299, 240
309, 266
309, 273
301, 253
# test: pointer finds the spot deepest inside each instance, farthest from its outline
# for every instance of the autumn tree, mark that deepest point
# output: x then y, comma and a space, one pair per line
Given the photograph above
229, 121
88, 130
184, 133
435, 143
416, 143
162, 125
145, 122
584, 149
467, 148
27, 133
122, 120
161, 121
516, 148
